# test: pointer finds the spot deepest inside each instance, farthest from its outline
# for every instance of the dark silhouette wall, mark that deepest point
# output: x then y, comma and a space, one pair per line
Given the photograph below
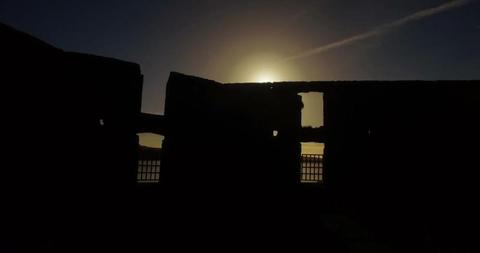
69, 151
400, 156
221, 136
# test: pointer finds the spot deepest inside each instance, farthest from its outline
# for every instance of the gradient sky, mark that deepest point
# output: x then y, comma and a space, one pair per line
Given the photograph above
237, 41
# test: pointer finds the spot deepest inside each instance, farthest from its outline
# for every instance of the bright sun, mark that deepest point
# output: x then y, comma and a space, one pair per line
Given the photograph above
263, 68
265, 77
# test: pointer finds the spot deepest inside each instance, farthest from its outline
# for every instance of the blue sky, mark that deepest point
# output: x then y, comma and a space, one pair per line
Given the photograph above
230, 41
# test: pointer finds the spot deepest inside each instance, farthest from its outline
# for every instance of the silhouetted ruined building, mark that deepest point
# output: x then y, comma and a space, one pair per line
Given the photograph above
243, 135
79, 111
78, 115
398, 154
398, 159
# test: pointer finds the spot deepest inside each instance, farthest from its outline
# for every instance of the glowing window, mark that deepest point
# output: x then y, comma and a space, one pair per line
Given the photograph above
312, 162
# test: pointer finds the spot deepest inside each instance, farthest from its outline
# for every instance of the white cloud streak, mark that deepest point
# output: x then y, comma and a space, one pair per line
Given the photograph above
382, 29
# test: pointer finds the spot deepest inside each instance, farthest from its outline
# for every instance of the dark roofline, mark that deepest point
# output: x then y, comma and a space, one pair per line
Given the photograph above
309, 86
10, 32
96, 59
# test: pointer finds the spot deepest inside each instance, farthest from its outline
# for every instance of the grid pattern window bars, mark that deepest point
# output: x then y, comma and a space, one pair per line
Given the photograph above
312, 168
148, 171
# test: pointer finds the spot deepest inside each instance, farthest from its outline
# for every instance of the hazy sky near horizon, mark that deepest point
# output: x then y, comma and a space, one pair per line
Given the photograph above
238, 41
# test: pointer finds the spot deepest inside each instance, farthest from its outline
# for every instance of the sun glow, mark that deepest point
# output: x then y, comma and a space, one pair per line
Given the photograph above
263, 68
265, 77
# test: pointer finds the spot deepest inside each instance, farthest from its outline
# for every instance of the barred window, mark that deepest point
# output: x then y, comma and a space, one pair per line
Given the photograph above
149, 158
148, 171
312, 162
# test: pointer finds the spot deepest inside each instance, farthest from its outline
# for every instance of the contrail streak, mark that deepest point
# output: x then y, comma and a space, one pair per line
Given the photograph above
382, 29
